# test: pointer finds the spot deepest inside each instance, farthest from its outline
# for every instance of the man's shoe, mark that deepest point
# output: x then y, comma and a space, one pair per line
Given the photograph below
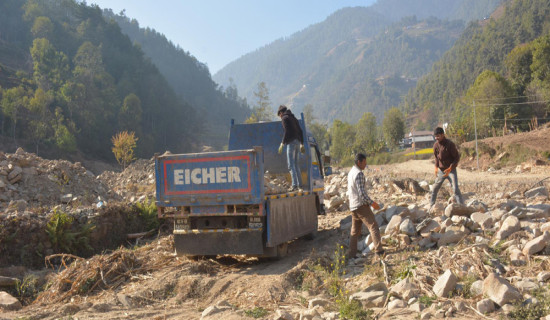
293, 188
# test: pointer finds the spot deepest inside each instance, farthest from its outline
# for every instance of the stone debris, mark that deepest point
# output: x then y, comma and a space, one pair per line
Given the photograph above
445, 284
7, 302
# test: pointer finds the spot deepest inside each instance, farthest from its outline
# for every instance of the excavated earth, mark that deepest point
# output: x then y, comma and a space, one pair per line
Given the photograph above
482, 260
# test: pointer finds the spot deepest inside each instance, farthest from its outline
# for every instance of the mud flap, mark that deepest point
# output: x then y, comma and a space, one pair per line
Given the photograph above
290, 218
214, 243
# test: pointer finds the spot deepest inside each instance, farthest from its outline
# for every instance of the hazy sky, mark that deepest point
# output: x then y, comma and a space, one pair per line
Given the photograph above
217, 32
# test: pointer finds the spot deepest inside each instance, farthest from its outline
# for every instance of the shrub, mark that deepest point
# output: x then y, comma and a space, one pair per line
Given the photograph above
148, 212
62, 236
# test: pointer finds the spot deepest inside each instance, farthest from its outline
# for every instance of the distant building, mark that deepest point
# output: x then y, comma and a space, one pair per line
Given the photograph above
421, 139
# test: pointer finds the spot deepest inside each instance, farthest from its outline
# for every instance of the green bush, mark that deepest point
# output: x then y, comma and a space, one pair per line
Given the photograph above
148, 212
257, 312
533, 311
64, 238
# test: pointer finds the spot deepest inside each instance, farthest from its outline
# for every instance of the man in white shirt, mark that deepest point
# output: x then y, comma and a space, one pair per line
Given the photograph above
360, 204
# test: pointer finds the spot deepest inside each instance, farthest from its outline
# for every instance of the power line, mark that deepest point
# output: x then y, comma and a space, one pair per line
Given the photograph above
514, 97
511, 103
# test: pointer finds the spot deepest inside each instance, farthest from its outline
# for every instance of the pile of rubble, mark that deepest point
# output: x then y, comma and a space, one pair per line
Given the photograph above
135, 183
28, 181
498, 235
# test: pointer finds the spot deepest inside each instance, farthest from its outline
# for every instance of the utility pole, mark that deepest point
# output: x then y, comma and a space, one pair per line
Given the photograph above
475, 131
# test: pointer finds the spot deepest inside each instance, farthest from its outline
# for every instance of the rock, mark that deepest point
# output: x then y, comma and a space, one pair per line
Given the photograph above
517, 258
477, 206
393, 211
405, 288
455, 209
345, 224
485, 306
538, 211
509, 226
7, 281
335, 202
483, 219
407, 227
370, 299
396, 304
309, 314
451, 237
210, 311
428, 226
476, 288
394, 224
416, 307
526, 285
445, 284
317, 302
102, 307
499, 290
543, 276
537, 244
282, 315
426, 315
497, 214
16, 171
7, 302
461, 306
66, 198
539, 191
125, 300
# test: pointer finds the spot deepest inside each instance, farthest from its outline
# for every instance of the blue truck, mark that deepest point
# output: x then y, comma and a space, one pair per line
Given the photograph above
219, 203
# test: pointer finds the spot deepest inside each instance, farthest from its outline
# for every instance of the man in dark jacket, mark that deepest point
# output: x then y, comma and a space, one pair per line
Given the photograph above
293, 139
446, 161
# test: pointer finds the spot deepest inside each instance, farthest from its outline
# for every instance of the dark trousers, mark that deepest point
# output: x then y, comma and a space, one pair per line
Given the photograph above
363, 214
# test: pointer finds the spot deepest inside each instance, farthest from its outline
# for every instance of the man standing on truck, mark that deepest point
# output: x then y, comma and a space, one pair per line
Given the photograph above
446, 160
360, 204
293, 138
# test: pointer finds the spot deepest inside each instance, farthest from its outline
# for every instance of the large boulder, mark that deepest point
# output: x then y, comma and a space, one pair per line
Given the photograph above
510, 225
445, 284
499, 290
537, 244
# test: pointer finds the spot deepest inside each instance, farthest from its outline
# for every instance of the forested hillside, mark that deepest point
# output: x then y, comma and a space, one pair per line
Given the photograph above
503, 60
70, 80
355, 61
190, 79
464, 10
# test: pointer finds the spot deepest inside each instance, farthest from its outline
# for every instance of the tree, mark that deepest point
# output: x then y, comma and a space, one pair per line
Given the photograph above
42, 27
491, 88
342, 135
261, 111
518, 63
308, 115
41, 117
124, 144
366, 134
51, 68
13, 101
320, 133
64, 139
393, 126
129, 116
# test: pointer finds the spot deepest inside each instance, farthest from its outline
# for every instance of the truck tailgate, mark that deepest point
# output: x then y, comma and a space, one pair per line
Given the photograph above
210, 178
